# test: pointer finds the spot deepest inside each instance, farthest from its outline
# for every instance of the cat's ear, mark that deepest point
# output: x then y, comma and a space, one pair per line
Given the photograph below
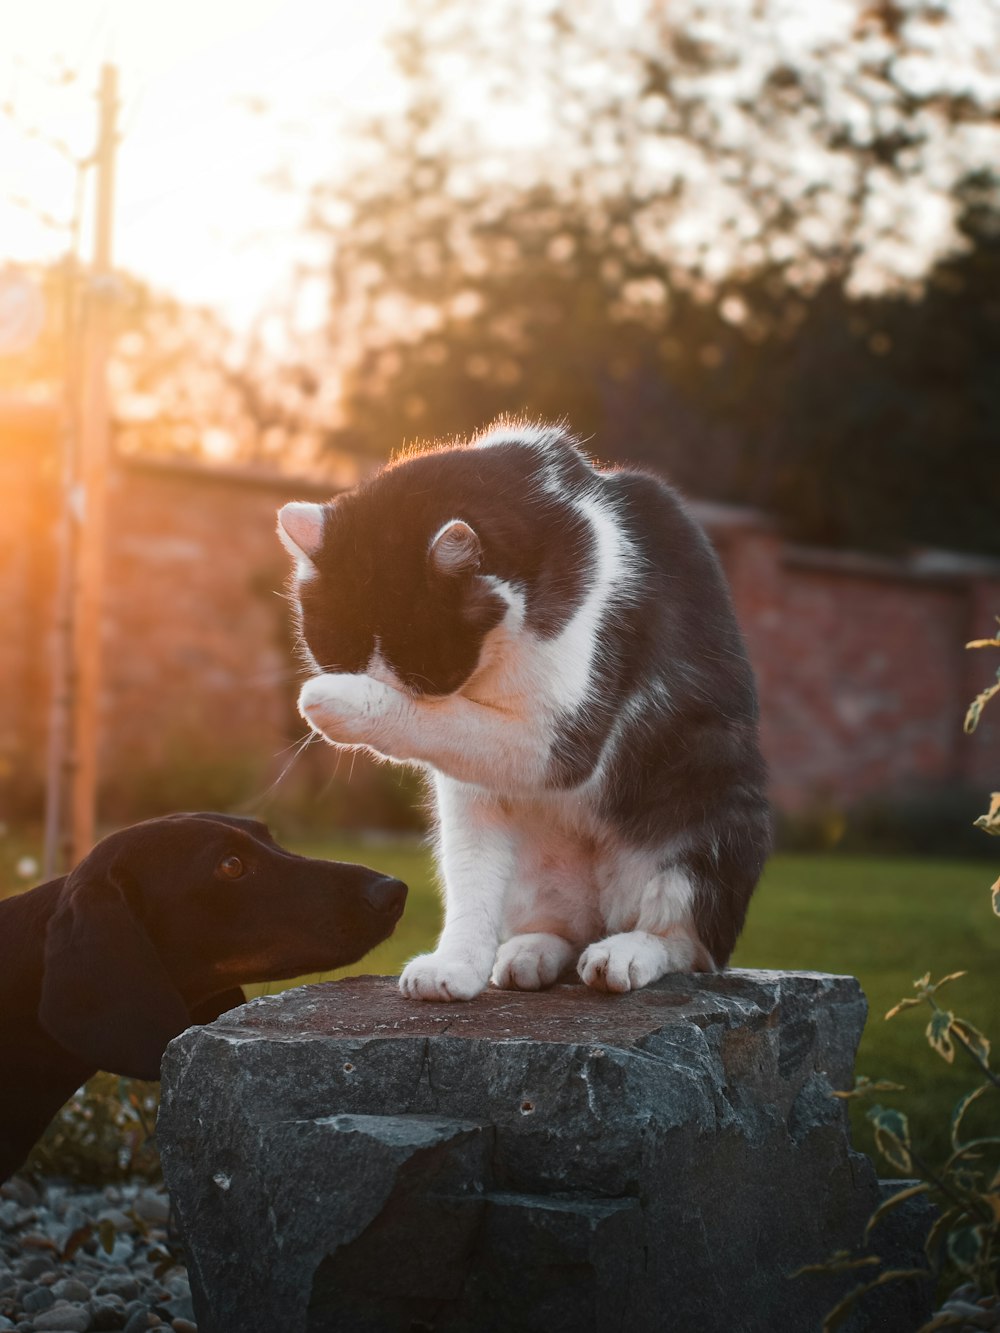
300, 528
455, 549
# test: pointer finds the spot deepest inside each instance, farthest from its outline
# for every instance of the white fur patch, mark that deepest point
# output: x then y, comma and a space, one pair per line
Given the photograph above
519, 432
629, 961
475, 854
531, 962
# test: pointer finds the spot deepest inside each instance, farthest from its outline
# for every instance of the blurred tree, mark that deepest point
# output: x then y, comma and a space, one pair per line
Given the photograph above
738, 240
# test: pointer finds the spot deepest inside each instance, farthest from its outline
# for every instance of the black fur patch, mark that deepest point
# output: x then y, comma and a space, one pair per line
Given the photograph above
375, 584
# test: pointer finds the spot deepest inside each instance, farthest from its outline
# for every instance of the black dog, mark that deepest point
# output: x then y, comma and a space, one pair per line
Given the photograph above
153, 931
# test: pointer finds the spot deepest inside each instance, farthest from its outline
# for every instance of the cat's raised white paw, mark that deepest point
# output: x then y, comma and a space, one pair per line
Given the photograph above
347, 709
531, 962
625, 962
436, 977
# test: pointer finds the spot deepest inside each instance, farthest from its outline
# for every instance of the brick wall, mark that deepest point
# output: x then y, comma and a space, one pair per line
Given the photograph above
862, 671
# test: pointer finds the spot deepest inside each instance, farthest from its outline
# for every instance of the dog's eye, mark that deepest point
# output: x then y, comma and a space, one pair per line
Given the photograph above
230, 867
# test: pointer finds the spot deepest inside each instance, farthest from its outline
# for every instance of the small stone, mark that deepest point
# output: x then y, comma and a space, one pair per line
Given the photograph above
152, 1207
5, 1323
71, 1289
35, 1265
38, 1300
118, 1284
107, 1312
138, 1322
21, 1191
63, 1319
184, 1326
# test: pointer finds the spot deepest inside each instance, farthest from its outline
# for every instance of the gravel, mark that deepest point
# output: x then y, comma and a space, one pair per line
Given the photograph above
76, 1259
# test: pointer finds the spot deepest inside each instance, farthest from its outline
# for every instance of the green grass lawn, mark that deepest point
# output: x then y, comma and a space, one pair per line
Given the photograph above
884, 920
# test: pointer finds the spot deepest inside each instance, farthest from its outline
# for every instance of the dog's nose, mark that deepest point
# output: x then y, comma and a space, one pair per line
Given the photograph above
386, 894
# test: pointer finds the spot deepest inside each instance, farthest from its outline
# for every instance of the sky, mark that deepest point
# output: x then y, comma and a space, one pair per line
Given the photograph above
193, 212
195, 215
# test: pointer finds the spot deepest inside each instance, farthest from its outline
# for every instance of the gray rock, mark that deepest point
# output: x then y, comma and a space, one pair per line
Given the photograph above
35, 1265
70, 1289
107, 1312
118, 1284
21, 1191
339, 1157
138, 1321
38, 1299
63, 1319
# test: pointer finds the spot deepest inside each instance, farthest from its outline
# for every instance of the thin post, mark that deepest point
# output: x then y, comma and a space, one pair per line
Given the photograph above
92, 489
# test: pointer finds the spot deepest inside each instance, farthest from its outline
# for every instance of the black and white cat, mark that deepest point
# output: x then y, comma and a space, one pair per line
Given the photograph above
555, 645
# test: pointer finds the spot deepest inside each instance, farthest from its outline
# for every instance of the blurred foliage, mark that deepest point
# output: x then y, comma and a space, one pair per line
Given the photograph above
104, 1133
708, 262
930, 820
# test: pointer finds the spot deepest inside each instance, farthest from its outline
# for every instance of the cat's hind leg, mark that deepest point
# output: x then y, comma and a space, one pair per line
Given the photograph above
635, 958
648, 913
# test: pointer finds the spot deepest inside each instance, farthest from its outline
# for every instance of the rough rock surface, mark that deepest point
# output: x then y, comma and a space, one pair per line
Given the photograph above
341, 1158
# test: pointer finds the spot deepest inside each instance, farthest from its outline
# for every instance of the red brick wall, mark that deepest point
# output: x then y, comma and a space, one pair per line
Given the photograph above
863, 675
862, 671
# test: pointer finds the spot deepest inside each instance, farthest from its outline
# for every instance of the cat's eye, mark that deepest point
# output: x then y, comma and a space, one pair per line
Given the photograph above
230, 867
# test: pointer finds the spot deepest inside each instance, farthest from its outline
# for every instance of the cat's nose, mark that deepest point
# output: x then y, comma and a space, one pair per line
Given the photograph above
386, 895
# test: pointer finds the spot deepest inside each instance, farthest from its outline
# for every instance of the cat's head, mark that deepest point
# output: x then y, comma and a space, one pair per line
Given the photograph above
383, 584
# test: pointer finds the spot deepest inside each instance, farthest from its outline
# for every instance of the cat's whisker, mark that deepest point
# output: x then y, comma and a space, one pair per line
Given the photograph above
297, 748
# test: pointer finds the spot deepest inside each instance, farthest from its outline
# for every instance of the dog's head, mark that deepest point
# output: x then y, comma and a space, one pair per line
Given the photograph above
161, 917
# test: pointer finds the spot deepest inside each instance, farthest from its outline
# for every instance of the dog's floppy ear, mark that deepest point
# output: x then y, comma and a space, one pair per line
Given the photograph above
106, 996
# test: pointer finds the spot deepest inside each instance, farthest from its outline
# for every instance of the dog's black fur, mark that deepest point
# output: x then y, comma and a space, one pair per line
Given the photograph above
157, 929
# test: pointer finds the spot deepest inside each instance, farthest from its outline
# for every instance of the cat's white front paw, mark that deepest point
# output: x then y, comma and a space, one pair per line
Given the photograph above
625, 962
347, 709
531, 962
435, 976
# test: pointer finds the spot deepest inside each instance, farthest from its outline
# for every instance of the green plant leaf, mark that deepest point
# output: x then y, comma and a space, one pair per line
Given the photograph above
106, 1234
975, 710
978, 1044
965, 1247
843, 1308
908, 1002
839, 1262
990, 822
864, 1087
892, 1135
961, 1106
952, 976
893, 1201
939, 1229
995, 893
938, 1034
942, 1321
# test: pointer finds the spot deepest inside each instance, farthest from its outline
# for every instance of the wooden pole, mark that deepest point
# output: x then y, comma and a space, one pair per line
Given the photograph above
92, 491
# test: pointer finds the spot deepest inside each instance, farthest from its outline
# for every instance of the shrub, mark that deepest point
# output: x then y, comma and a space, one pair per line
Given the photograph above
964, 1242
104, 1133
